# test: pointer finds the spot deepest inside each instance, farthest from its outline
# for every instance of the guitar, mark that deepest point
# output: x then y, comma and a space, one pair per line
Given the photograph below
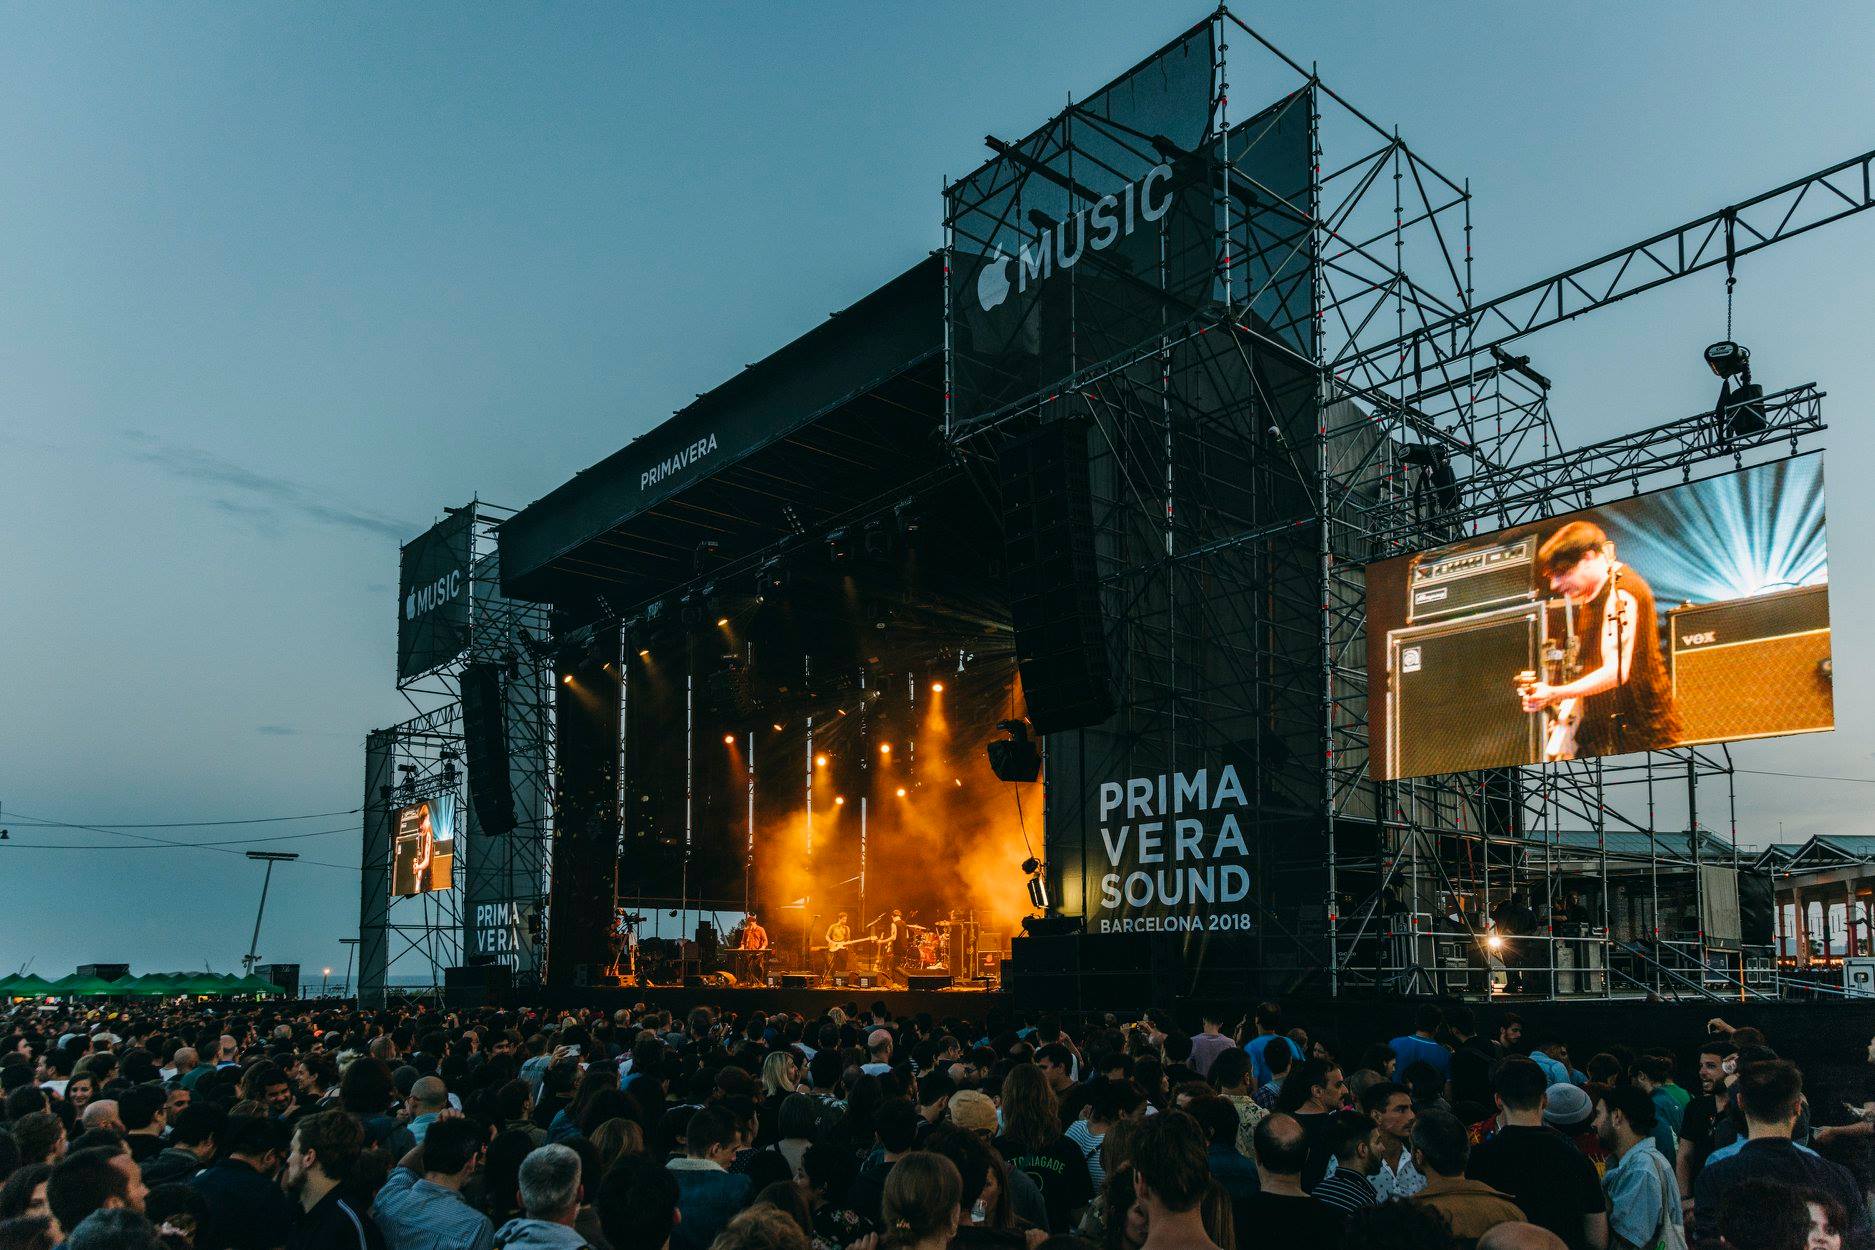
840, 946
1561, 665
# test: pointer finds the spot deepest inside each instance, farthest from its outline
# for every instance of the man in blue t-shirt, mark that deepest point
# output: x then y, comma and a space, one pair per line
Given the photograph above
1269, 1018
1419, 1046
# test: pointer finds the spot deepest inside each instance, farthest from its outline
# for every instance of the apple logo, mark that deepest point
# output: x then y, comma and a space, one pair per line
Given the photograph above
993, 281
410, 606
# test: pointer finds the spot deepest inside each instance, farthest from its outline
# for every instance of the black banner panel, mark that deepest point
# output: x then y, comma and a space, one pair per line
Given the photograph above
433, 596
1689, 615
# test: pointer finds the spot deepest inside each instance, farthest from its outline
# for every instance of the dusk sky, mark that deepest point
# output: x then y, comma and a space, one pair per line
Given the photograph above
280, 282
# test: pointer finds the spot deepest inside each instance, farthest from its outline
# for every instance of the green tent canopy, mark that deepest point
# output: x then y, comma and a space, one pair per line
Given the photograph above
29, 985
150, 985
77, 986
252, 984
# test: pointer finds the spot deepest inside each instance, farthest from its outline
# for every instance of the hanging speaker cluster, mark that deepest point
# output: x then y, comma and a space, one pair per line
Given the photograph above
1054, 593
485, 742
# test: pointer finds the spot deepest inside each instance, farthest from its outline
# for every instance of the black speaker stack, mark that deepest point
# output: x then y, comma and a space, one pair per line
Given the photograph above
1053, 583
485, 742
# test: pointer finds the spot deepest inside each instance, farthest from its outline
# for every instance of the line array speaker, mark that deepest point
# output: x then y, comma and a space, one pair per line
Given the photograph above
1054, 591
485, 742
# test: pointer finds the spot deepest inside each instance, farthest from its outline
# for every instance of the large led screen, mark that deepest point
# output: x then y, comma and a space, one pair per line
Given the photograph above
423, 848
1689, 615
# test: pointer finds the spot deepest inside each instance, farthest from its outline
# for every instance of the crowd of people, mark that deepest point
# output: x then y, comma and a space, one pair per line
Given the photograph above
309, 1126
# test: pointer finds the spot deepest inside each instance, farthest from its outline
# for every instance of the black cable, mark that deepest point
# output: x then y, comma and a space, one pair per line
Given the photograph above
47, 821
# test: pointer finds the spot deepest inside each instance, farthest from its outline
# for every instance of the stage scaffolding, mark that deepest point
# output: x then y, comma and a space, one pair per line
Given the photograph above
495, 909
1327, 392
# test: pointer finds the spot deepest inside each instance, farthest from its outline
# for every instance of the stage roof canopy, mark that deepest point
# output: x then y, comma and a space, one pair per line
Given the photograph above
843, 416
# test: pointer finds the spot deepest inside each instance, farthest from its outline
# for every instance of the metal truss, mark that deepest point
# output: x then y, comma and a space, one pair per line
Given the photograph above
1270, 440
413, 939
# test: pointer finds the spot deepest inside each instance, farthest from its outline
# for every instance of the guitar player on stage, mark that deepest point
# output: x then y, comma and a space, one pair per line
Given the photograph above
1622, 700
839, 956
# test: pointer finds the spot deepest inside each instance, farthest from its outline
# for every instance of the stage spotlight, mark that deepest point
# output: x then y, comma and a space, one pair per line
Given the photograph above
901, 792
776, 728
1728, 360
1438, 479
567, 680
1494, 943
820, 761
885, 748
1038, 892
721, 621
839, 800
729, 740
878, 539
1017, 757
645, 653
937, 687
909, 522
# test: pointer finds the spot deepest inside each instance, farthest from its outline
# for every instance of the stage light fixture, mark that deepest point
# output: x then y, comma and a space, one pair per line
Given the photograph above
878, 539
776, 728
1017, 757
1030, 864
839, 546
645, 653
937, 687
721, 621
820, 761
901, 792
1740, 409
885, 748
709, 554
567, 680
839, 800
1038, 890
729, 740
1438, 480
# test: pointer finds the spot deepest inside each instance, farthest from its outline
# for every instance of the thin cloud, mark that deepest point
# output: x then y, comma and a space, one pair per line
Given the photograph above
258, 498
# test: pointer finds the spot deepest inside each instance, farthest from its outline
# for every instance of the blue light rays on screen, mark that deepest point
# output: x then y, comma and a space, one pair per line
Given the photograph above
1729, 537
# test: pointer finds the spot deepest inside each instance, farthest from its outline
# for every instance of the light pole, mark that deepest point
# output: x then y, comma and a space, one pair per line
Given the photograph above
270, 858
324, 976
351, 948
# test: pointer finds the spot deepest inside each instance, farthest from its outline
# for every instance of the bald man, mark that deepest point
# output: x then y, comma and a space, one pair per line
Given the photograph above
428, 1099
103, 1113
1518, 1236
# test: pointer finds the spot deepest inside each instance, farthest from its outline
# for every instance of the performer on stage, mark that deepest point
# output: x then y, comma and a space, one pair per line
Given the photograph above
891, 942
839, 956
1624, 695
754, 936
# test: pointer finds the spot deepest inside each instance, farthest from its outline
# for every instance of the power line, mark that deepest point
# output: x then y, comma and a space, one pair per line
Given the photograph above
190, 824
1762, 772
151, 846
156, 841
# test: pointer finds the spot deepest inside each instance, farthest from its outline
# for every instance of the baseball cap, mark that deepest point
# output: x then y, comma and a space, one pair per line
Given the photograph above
972, 1109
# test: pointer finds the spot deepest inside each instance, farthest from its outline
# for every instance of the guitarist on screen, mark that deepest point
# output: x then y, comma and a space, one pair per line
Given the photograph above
1622, 701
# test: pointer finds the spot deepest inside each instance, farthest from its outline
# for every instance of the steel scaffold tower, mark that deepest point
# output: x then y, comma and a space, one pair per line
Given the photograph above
1281, 425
